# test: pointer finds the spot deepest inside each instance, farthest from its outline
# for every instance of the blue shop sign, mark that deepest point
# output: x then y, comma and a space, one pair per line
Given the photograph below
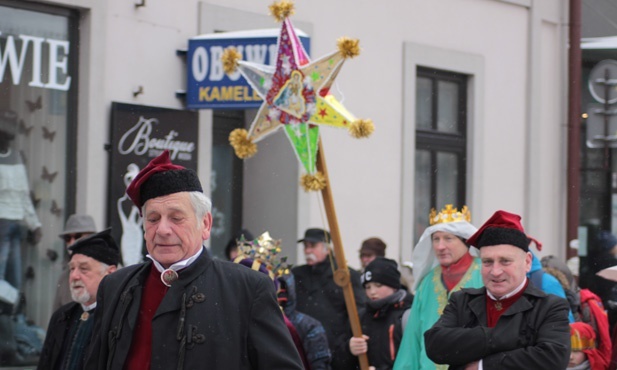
209, 87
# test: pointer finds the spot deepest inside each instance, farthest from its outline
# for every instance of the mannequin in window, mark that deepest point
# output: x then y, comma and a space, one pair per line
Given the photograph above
16, 207
16, 210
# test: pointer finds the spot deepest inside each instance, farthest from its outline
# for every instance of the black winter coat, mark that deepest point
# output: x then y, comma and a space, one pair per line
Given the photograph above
534, 333
319, 296
58, 330
218, 315
382, 323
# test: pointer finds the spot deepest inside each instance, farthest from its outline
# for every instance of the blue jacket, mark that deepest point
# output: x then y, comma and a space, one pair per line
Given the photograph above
550, 284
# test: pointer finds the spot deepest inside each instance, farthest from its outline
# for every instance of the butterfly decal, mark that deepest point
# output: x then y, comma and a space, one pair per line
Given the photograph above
34, 199
55, 210
46, 175
29, 273
34, 105
23, 129
52, 255
49, 135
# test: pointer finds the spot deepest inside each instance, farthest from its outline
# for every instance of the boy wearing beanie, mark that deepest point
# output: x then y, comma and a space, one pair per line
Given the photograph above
382, 321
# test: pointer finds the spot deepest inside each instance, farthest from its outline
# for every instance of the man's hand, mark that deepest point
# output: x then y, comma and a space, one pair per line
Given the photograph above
34, 236
358, 346
472, 366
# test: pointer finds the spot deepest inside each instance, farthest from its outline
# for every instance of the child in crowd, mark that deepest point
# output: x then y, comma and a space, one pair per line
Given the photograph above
383, 321
584, 355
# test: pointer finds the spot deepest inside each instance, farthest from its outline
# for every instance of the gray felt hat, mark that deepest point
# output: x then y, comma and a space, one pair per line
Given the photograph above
78, 224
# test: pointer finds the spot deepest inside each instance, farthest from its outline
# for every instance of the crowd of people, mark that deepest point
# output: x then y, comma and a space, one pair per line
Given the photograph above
479, 297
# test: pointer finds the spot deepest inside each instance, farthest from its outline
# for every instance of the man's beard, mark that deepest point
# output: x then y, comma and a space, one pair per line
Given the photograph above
82, 297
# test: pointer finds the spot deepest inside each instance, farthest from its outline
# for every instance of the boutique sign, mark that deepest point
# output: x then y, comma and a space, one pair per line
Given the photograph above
138, 134
209, 87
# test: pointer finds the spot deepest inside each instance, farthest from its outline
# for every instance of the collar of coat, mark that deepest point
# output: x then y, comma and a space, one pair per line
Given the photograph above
173, 299
477, 301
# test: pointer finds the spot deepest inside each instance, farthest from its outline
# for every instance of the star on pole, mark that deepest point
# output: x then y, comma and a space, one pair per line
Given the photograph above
295, 97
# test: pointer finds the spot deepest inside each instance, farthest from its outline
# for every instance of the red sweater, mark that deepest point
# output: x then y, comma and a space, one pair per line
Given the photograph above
141, 346
494, 309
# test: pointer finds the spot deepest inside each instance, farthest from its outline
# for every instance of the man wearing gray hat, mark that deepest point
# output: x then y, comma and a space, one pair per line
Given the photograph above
77, 226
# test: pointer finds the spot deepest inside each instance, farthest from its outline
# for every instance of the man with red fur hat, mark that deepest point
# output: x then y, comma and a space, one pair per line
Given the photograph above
182, 309
508, 324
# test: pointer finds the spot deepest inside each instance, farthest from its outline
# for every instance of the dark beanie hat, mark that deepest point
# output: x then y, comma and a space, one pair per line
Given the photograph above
384, 271
100, 246
374, 246
606, 240
161, 177
502, 228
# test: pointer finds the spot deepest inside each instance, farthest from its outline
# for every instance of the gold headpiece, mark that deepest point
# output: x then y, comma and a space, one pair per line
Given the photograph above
264, 250
449, 214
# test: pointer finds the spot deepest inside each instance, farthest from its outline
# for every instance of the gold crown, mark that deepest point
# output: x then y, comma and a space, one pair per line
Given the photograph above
449, 214
264, 250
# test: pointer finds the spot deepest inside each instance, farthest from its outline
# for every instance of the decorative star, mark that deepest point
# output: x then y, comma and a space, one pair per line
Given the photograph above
295, 95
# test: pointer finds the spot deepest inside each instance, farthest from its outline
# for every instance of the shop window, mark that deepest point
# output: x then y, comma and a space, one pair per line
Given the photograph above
441, 143
38, 51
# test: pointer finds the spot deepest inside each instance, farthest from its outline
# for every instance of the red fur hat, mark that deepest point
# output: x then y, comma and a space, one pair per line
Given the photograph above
161, 177
502, 228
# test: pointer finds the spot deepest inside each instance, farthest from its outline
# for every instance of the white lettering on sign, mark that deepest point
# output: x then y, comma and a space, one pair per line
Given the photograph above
57, 57
207, 62
142, 142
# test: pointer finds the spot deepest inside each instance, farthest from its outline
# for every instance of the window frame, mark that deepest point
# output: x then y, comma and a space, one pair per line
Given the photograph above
473, 66
435, 141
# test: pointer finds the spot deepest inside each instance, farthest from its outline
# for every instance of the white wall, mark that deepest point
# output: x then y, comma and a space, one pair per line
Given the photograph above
517, 140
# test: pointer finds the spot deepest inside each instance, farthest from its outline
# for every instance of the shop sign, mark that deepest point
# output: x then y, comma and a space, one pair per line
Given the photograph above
209, 87
138, 134
36, 53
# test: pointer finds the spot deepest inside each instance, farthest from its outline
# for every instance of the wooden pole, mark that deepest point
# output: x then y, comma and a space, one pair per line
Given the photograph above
341, 275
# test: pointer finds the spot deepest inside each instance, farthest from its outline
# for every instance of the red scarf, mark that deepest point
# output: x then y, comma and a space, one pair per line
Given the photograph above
141, 347
494, 309
599, 322
452, 275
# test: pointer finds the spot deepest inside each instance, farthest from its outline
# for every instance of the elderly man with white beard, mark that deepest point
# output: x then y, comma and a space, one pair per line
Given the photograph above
70, 327
320, 297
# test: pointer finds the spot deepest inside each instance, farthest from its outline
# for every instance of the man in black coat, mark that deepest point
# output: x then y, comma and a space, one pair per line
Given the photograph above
508, 324
181, 309
70, 327
320, 297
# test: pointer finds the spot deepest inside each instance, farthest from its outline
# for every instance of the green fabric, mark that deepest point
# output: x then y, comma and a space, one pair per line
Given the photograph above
428, 304
304, 139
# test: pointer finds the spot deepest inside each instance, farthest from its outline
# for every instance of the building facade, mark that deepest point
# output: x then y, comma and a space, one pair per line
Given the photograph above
468, 99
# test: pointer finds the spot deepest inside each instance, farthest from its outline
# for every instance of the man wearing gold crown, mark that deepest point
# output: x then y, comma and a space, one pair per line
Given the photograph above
182, 309
442, 264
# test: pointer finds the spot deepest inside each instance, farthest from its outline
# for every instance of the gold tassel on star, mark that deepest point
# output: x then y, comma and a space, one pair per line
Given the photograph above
230, 59
349, 48
314, 182
282, 9
242, 144
361, 128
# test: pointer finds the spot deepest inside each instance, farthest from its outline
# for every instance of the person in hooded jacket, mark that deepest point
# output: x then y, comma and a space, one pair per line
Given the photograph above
310, 330
382, 322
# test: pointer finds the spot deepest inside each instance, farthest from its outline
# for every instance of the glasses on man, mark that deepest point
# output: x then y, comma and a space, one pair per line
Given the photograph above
68, 237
